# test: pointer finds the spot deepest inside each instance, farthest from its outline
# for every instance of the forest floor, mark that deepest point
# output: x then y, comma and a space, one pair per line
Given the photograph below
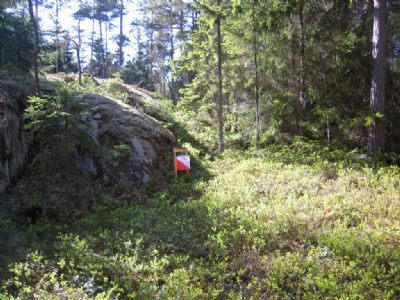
288, 222
285, 224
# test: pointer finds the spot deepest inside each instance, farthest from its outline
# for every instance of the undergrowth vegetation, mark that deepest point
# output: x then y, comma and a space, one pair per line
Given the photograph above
302, 221
261, 228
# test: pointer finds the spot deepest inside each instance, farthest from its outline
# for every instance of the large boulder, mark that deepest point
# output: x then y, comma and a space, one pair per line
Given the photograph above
135, 147
13, 138
126, 145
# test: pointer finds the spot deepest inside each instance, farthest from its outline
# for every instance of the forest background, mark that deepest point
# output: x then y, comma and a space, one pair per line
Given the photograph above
252, 72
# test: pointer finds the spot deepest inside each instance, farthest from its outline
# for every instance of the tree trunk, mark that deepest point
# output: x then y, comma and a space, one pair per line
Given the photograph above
106, 54
37, 11
78, 53
66, 57
151, 50
121, 34
181, 28
220, 120
36, 46
302, 99
376, 140
163, 80
92, 45
171, 41
257, 92
172, 45
57, 38
1, 55
1, 42
102, 47
78, 56
138, 38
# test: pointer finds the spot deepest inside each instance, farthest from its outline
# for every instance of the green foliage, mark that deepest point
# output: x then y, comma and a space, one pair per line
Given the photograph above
301, 220
137, 72
58, 129
372, 119
336, 62
120, 151
294, 222
15, 39
116, 89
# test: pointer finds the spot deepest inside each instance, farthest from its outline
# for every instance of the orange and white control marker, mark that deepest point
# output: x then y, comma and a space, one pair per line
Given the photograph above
182, 161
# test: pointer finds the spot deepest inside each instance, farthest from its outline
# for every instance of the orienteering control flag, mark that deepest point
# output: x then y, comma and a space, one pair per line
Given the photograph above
183, 162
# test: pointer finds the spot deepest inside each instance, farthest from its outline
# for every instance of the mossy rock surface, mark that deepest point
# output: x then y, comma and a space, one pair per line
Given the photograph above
138, 146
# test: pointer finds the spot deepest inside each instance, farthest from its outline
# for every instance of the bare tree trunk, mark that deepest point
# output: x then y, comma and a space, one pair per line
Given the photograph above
163, 77
181, 28
121, 34
92, 45
165, 81
376, 140
302, 99
151, 50
328, 132
138, 38
257, 90
78, 52
102, 47
57, 38
172, 85
1, 45
77, 45
1, 55
67, 59
220, 120
78, 56
37, 11
36, 46
182, 36
171, 41
106, 56
292, 53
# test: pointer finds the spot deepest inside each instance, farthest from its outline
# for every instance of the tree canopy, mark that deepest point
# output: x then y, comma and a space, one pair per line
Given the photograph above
260, 71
